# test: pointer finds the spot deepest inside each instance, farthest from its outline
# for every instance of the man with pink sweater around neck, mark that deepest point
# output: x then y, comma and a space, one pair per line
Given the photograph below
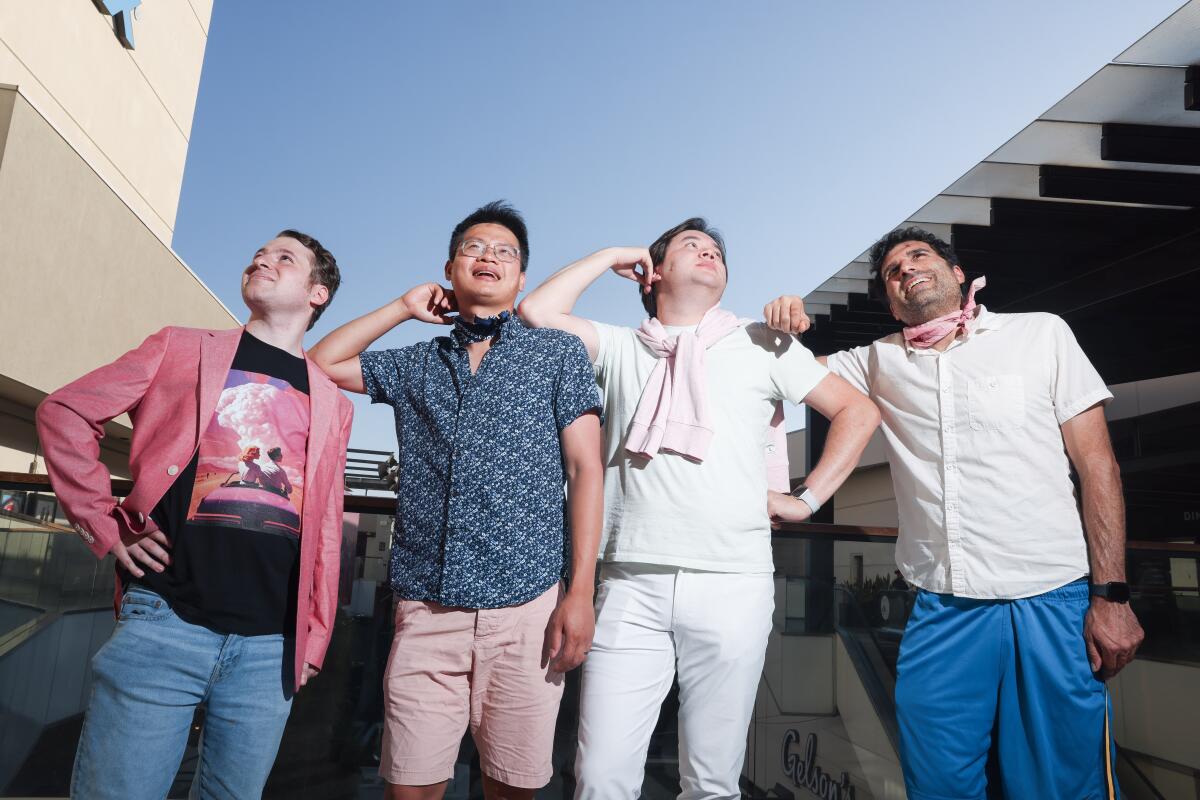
686, 582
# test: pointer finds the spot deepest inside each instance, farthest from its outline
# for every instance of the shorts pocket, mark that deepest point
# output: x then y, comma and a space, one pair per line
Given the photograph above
996, 402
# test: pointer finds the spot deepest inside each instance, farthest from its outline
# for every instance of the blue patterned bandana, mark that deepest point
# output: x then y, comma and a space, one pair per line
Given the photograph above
482, 328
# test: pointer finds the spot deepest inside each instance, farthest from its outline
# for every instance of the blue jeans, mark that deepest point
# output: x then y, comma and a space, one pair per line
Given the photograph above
147, 681
996, 698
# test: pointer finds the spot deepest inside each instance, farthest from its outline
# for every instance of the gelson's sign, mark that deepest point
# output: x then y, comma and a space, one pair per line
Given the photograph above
804, 772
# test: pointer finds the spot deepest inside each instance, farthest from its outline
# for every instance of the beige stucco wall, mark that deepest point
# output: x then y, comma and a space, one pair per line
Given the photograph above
128, 113
93, 140
84, 280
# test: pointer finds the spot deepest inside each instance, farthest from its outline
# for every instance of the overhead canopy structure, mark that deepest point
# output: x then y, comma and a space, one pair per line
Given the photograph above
1090, 212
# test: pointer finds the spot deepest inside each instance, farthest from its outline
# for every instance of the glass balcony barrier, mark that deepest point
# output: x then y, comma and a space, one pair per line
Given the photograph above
829, 674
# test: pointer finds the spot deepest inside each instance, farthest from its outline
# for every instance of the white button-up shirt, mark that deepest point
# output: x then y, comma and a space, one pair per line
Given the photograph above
974, 440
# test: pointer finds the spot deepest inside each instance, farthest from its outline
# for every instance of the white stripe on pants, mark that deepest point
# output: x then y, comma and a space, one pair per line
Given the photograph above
650, 621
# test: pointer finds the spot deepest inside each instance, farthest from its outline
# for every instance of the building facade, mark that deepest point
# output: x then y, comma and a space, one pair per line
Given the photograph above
93, 140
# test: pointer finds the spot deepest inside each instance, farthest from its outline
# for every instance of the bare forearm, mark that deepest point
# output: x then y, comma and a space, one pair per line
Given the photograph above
559, 293
1090, 450
356, 336
585, 513
849, 431
1104, 521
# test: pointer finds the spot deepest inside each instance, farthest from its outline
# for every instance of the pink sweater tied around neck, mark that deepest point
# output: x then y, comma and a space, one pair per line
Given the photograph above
672, 414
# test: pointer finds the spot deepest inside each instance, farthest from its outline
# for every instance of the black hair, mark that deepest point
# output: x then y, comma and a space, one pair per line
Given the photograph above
658, 252
881, 248
497, 212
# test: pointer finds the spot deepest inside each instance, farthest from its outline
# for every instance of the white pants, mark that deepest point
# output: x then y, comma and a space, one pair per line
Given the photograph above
651, 621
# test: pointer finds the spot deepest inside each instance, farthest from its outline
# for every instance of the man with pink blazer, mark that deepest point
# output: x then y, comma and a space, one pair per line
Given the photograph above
227, 585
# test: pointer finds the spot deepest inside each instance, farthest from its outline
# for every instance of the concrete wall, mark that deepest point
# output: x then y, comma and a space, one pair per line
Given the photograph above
84, 278
93, 142
88, 279
128, 113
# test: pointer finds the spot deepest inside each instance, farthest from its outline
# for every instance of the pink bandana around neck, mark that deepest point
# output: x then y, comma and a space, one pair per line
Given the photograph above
927, 334
672, 414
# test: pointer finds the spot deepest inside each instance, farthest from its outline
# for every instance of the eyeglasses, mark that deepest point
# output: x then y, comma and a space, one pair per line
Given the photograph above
474, 248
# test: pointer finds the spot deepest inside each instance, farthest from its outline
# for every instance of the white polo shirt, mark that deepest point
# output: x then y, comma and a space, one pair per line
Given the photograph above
708, 515
981, 474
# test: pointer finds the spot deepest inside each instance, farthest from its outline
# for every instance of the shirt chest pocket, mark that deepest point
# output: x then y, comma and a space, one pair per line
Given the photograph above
996, 402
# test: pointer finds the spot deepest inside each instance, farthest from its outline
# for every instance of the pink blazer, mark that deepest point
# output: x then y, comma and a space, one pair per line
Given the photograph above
170, 385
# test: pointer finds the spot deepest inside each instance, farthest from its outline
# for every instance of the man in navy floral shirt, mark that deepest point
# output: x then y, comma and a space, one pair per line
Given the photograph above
491, 420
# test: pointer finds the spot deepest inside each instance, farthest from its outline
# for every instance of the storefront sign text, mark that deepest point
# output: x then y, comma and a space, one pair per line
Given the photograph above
805, 773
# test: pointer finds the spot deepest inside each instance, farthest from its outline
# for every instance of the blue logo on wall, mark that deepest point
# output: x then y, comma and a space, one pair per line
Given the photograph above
122, 13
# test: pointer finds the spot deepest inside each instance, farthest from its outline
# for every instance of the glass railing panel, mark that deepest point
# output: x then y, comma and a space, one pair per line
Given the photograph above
49, 578
1166, 598
49, 571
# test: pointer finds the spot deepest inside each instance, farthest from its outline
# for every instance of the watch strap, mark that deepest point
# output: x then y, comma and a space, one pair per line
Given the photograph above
1113, 591
808, 498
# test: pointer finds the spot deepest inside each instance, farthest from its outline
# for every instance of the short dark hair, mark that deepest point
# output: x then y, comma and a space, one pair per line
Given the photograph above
497, 212
325, 269
658, 252
275, 453
881, 248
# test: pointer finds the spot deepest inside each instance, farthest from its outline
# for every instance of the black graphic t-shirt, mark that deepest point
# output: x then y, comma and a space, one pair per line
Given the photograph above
233, 515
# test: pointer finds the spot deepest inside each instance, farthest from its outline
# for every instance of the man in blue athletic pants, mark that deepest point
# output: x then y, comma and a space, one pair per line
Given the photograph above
1009, 643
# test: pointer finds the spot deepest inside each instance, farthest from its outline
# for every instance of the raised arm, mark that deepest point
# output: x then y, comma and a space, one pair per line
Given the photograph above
1111, 631
550, 305
337, 354
852, 419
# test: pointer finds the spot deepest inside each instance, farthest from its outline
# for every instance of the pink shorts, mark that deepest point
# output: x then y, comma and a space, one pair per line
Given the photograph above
454, 667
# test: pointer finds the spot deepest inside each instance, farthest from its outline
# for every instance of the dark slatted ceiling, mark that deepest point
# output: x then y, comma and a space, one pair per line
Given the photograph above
1119, 185
1150, 144
1125, 277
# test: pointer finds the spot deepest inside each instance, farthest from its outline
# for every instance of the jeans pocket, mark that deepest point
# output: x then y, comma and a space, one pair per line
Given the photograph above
142, 604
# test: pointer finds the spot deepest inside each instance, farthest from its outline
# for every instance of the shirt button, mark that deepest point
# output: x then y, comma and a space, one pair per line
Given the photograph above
949, 467
172, 470
946, 388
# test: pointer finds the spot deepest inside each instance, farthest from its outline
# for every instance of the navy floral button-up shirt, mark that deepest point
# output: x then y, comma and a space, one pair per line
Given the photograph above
480, 512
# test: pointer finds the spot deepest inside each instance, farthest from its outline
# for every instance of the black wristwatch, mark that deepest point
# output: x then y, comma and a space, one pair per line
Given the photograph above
1114, 591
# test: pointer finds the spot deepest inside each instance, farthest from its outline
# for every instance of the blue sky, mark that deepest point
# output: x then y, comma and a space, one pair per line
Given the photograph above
803, 130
